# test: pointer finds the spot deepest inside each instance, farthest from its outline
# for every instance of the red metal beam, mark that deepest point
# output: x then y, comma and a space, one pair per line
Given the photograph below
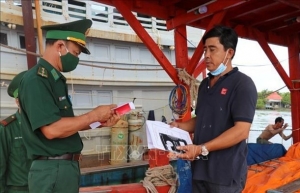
29, 32
290, 29
169, 2
268, 51
217, 18
247, 33
181, 55
294, 66
200, 68
248, 8
146, 38
181, 51
191, 17
295, 3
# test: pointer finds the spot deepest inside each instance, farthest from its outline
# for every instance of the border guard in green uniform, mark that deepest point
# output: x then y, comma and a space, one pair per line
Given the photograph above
14, 165
50, 127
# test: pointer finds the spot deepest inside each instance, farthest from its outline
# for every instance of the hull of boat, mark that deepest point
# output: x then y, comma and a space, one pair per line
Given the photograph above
270, 168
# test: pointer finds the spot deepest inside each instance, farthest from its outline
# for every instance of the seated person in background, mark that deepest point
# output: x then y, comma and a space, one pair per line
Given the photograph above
273, 129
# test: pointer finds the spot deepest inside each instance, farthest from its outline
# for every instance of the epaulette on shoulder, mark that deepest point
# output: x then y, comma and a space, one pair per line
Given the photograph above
8, 120
42, 72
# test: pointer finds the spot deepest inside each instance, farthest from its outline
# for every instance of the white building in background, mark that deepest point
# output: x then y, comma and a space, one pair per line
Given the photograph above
119, 69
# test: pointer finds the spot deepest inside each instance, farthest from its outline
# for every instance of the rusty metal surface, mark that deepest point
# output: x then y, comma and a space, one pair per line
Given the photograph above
29, 31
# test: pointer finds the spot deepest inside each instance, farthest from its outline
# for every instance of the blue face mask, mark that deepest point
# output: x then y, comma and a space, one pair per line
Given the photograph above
222, 67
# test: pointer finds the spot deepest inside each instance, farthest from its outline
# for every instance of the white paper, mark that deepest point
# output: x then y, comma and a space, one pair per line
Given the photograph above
161, 136
95, 125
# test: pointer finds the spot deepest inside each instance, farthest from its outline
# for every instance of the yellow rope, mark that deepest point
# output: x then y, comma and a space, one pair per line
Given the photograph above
160, 176
191, 82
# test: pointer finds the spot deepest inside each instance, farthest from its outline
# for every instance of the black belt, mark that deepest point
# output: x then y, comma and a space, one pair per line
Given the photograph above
20, 188
70, 156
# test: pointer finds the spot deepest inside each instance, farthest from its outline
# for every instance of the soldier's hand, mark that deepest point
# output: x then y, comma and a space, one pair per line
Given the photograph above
102, 113
112, 120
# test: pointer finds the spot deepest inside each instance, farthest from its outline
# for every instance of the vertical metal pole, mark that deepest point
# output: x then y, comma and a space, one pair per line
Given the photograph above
157, 157
38, 26
29, 32
181, 55
294, 67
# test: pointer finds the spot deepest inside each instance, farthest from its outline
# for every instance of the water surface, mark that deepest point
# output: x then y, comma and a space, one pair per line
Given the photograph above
264, 117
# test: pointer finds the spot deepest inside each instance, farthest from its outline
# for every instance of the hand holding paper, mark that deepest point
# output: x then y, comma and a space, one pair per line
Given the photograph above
161, 136
125, 108
121, 110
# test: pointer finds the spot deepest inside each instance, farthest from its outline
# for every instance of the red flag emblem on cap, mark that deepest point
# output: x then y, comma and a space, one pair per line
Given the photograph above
224, 91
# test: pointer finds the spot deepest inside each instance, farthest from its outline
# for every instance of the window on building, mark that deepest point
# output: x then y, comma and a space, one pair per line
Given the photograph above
3, 38
77, 9
22, 41
53, 7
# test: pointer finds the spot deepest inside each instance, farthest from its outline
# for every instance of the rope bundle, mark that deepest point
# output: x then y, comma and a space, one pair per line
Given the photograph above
178, 100
160, 176
191, 82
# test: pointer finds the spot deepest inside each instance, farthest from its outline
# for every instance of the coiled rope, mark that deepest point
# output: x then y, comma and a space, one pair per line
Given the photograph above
160, 176
178, 100
191, 82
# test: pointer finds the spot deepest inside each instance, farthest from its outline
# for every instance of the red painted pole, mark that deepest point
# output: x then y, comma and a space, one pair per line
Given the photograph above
157, 157
29, 32
146, 38
181, 55
268, 51
294, 67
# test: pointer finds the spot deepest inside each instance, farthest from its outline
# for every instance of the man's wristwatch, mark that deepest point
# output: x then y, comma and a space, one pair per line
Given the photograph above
204, 151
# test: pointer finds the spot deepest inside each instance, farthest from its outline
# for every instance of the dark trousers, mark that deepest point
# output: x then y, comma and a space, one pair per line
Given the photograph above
200, 186
54, 176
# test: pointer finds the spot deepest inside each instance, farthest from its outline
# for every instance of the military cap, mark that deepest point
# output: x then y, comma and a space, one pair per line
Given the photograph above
75, 31
13, 87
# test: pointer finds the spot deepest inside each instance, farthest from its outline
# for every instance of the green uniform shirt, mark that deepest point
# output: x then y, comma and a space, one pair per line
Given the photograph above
14, 166
44, 99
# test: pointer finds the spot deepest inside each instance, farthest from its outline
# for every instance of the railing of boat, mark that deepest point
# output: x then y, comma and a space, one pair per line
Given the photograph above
101, 14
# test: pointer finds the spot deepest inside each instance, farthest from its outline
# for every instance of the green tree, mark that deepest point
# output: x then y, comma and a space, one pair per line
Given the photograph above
261, 98
286, 98
260, 104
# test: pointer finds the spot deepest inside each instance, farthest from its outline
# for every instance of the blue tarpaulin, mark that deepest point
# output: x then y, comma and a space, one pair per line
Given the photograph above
262, 152
185, 176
